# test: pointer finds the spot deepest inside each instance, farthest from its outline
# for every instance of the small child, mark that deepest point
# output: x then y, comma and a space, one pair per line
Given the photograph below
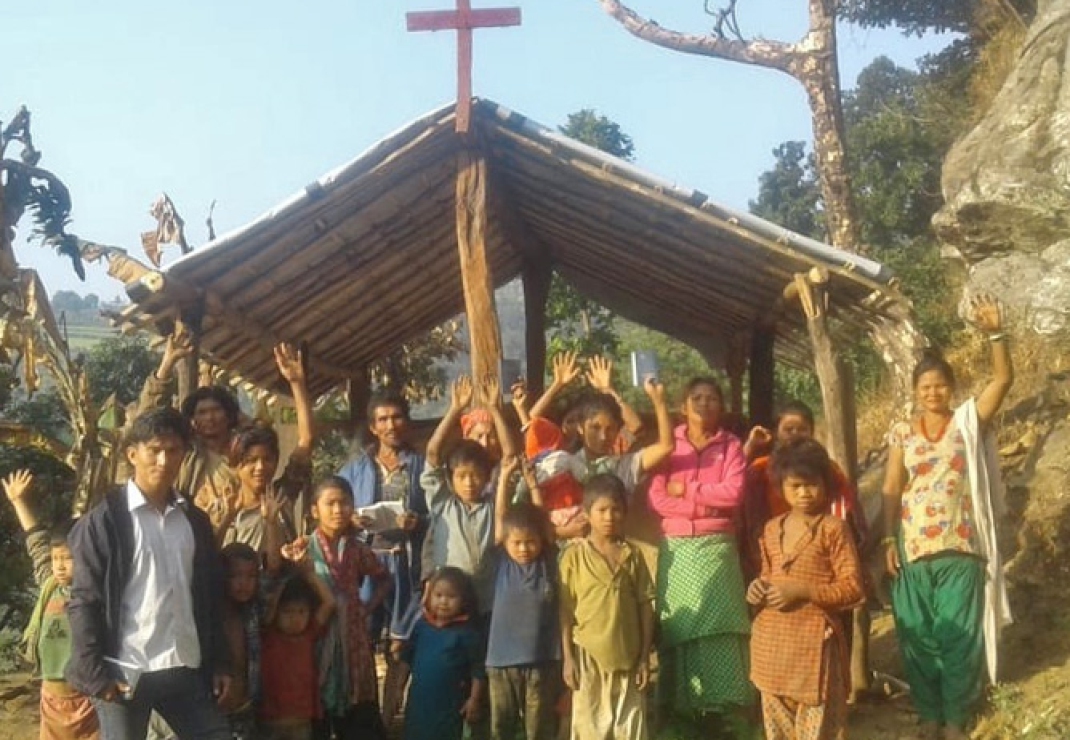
607, 620
349, 689
66, 714
524, 653
809, 572
461, 519
290, 698
445, 652
241, 628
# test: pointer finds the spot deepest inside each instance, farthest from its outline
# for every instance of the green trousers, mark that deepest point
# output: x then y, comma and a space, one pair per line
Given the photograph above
938, 604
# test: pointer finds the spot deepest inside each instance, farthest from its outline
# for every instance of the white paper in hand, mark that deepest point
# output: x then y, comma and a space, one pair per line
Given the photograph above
383, 515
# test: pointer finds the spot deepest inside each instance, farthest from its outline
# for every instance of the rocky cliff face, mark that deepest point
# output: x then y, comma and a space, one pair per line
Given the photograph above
1007, 183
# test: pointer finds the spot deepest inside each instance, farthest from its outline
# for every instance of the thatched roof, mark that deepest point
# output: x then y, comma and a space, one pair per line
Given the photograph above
365, 258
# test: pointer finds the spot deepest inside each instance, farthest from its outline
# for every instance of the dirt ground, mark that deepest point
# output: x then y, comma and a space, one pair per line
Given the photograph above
1034, 703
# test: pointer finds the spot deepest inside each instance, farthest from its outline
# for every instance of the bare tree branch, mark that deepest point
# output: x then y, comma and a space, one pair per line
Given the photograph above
758, 52
725, 18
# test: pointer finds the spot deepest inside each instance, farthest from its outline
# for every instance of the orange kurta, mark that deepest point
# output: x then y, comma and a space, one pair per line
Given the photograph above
788, 648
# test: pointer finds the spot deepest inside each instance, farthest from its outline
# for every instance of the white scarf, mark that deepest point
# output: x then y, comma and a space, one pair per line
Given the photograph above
986, 491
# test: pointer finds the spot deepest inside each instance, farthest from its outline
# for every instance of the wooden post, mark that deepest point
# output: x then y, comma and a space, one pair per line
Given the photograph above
188, 370
813, 294
536, 278
762, 363
736, 366
486, 342
359, 392
837, 396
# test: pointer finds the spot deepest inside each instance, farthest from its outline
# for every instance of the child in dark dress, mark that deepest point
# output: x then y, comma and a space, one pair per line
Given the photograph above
445, 653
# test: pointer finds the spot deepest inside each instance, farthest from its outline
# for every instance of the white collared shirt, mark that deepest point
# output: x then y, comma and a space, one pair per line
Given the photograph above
156, 629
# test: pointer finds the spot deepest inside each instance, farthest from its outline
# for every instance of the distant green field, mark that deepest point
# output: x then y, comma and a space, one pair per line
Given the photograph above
83, 338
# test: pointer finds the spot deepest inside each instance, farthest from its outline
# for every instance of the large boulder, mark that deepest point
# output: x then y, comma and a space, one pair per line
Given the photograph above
1006, 184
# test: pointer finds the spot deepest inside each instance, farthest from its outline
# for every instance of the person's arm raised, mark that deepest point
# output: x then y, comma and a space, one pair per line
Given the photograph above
565, 371
291, 364
600, 378
655, 454
987, 315
460, 397
491, 391
501, 499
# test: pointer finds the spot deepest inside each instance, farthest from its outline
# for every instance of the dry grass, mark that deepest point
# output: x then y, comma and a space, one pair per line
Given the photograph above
1003, 32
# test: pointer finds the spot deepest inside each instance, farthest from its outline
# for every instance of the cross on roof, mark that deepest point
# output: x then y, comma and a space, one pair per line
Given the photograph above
463, 20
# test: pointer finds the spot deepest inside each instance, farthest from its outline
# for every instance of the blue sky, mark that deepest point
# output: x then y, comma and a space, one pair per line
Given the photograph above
245, 103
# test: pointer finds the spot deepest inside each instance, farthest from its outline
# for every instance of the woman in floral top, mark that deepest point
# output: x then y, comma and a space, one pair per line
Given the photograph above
938, 544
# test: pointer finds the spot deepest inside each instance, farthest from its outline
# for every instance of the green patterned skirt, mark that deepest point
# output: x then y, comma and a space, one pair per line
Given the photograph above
704, 650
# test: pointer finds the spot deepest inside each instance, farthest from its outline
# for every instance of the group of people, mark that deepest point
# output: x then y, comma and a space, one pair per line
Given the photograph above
209, 598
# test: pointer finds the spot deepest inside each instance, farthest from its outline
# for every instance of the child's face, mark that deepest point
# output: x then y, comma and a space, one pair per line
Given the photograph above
524, 546
792, 427
487, 437
62, 565
606, 517
468, 480
257, 468
333, 510
804, 495
242, 581
444, 601
599, 433
292, 617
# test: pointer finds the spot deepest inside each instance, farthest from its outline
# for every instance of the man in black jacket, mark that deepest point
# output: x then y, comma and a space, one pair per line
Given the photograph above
144, 603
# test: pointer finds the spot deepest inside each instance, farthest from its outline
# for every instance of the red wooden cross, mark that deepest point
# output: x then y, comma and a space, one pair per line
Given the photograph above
463, 20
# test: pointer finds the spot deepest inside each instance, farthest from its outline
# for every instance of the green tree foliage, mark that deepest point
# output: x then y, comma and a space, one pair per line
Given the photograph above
918, 17
576, 323
53, 489
678, 363
573, 321
898, 133
600, 132
119, 365
789, 194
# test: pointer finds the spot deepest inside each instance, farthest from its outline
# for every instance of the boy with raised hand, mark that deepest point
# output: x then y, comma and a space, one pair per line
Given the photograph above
65, 712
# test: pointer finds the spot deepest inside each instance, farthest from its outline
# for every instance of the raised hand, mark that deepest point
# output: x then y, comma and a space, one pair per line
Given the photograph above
490, 391
519, 391
179, 346
600, 374
461, 393
271, 503
509, 465
986, 313
290, 363
565, 368
655, 390
17, 485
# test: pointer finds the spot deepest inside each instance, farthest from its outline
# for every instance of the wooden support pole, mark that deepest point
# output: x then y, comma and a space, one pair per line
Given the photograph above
486, 342
837, 396
536, 279
736, 367
359, 392
831, 374
188, 370
762, 363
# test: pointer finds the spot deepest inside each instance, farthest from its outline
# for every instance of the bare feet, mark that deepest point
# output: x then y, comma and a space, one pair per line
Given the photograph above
928, 731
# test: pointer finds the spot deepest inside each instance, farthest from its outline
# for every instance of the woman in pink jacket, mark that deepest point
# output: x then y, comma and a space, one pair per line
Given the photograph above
704, 659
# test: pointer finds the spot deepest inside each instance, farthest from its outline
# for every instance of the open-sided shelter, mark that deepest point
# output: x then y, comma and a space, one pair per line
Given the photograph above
425, 223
